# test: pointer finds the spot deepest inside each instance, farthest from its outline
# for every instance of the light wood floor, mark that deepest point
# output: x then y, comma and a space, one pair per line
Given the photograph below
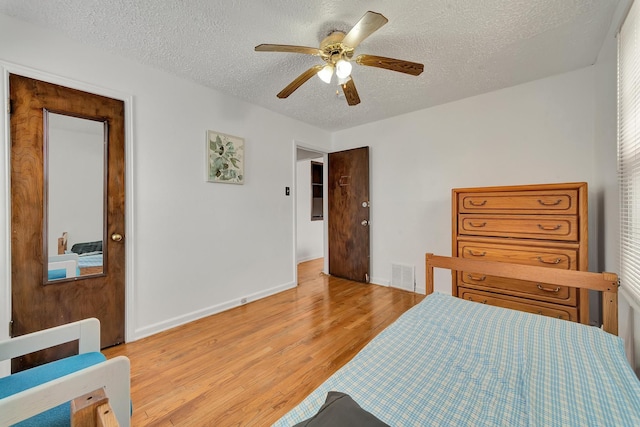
248, 366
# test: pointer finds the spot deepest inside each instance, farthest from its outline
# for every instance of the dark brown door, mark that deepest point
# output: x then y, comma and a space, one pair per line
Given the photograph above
348, 193
38, 303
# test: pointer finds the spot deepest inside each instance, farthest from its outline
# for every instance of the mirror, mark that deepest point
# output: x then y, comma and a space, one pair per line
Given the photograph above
74, 208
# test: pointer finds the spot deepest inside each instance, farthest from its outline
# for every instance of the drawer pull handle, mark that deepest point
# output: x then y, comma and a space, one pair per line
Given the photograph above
477, 225
549, 227
482, 203
472, 253
556, 261
477, 279
481, 302
542, 288
540, 313
556, 203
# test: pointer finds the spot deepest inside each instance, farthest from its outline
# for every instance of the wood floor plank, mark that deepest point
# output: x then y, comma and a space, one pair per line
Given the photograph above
250, 365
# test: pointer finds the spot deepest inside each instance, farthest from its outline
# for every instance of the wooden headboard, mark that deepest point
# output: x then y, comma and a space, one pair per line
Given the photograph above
62, 243
607, 283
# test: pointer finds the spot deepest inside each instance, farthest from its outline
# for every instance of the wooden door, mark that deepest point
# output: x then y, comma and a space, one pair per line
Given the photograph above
36, 302
348, 194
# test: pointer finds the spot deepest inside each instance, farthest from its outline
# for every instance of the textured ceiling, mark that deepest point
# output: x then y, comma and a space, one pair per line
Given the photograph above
468, 47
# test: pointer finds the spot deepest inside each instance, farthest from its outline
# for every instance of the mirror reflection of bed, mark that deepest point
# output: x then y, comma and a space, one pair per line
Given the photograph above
74, 193
82, 259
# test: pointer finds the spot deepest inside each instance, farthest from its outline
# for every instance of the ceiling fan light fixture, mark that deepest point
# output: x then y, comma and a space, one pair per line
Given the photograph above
343, 68
337, 50
343, 80
326, 73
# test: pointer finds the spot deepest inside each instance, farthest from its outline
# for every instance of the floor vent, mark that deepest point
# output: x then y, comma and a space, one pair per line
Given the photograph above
403, 276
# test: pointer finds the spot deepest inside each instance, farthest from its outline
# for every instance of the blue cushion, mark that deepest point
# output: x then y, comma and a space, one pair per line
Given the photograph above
59, 273
60, 415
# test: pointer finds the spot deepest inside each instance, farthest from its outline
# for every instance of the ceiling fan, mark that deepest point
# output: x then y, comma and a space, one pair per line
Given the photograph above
336, 50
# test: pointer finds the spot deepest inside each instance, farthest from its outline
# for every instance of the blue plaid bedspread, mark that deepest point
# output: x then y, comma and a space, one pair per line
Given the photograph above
93, 259
452, 362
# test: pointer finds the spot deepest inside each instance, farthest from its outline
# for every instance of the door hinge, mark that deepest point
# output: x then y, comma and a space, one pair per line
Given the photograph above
9, 105
10, 328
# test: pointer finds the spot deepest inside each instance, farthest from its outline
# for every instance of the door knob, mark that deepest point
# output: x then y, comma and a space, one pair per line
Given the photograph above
364, 222
116, 237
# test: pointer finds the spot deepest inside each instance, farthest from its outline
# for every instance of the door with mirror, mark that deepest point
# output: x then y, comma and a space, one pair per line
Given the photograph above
67, 212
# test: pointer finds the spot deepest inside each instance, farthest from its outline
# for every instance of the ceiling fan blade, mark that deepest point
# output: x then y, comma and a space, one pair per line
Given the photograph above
288, 48
350, 92
299, 81
399, 65
369, 23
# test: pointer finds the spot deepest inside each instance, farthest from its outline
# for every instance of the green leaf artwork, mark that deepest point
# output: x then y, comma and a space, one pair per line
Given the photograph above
225, 158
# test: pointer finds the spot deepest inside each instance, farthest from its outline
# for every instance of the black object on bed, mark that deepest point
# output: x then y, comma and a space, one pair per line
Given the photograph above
340, 410
83, 248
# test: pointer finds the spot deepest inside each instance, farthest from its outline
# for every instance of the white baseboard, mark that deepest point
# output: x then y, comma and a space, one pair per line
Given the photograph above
208, 311
386, 282
379, 281
309, 258
218, 308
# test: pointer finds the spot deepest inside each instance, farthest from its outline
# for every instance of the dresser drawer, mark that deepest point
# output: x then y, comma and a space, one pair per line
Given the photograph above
522, 288
558, 227
540, 257
565, 259
550, 310
562, 202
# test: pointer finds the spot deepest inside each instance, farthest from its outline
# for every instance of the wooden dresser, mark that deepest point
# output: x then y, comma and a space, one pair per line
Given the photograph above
541, 225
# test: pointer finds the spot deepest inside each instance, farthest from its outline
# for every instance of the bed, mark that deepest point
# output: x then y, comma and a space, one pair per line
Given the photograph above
90, 256
448, 361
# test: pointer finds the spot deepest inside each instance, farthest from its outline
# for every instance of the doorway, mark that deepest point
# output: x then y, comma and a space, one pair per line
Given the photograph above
40, 297
346, 210
310, 205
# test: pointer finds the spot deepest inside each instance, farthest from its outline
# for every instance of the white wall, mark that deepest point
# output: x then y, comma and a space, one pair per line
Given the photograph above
309, 234
199, 247
540, 132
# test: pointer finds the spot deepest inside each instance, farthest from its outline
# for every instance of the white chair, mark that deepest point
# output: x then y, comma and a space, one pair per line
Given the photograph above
67, 262
112, 375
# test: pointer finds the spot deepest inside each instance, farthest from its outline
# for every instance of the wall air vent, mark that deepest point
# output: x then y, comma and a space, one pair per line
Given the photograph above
403, 276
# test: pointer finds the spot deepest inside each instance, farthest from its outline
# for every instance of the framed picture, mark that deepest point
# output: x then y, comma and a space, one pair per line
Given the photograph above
225, 158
